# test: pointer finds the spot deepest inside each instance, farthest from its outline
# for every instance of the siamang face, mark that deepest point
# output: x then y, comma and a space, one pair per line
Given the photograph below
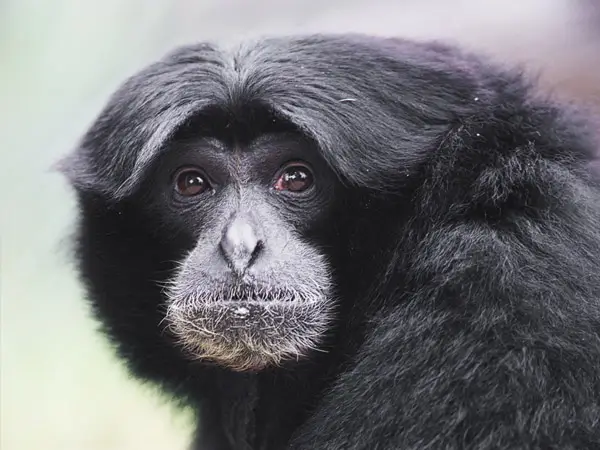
252, 288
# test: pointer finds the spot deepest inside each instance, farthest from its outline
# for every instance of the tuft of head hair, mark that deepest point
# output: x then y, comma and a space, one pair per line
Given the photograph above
383, 102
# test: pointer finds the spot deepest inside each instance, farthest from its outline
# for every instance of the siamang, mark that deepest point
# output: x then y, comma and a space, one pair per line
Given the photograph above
348, 242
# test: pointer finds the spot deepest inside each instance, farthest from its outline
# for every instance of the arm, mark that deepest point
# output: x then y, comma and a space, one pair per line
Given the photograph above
497, 346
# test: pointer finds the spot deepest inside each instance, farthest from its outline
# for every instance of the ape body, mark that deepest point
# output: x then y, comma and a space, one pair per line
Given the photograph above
443, 272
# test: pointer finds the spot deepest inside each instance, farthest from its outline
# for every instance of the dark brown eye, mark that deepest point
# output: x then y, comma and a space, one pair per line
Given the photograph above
294, 178
190, 181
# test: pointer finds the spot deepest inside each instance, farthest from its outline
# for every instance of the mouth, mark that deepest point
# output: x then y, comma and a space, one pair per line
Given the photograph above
245, 294
250, 294
239, 297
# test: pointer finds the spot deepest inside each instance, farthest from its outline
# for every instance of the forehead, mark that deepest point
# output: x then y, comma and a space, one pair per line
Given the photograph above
250, 132
235, 126
262, 146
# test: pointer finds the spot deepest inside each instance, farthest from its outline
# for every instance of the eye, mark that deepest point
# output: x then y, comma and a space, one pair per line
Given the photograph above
296, 177
190, 181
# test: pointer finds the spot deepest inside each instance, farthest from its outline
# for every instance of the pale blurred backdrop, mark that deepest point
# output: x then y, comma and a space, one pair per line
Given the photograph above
61, 387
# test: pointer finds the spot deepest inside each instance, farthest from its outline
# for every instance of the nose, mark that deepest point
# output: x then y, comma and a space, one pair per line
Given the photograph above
240, 245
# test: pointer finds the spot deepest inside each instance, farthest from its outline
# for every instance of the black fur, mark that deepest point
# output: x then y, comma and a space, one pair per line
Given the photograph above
466, 246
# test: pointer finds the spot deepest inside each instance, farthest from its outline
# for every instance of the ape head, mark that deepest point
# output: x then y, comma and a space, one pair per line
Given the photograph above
236, 205
216, 225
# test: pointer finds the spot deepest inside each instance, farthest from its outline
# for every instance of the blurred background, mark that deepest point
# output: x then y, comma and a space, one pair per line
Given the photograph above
61, 387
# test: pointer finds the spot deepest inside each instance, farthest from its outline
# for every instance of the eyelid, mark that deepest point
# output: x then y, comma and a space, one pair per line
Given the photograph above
175, 173
287, 165
292, 163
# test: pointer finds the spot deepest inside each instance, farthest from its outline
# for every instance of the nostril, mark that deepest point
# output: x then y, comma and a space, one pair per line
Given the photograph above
256, 252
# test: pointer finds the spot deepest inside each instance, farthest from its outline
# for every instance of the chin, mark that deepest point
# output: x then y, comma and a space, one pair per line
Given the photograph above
248, 328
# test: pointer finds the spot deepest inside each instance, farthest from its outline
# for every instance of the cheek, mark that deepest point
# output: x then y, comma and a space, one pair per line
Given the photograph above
302, 214
193, 218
